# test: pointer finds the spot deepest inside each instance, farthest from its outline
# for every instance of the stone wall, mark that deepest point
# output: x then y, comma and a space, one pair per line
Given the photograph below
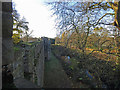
29, 61
47, 48
18, 69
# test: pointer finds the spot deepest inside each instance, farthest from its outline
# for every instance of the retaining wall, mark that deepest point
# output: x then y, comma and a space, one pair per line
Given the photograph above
29, 61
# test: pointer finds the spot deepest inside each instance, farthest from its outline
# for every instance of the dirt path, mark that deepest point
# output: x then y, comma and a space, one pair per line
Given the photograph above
55, 76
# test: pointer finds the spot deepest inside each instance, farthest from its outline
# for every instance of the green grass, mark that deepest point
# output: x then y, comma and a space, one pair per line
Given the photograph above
30, 43
55, 76
27, 43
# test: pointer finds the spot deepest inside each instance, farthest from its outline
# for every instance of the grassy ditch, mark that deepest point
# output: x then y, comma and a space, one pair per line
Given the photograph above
55, 76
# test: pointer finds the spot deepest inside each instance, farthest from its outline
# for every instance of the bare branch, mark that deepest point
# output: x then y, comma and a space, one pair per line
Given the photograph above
113, 5
101, 18
107, 23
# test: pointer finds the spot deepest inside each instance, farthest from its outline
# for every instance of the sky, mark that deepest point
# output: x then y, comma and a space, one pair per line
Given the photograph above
39, 17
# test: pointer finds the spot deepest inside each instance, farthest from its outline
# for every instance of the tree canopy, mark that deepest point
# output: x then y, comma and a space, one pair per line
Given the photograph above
86, 19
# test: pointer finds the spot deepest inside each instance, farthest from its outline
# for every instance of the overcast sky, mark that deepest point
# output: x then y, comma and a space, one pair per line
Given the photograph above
39, 17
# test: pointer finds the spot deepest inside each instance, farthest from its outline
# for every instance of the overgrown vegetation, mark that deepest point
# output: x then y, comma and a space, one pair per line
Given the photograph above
92, 71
